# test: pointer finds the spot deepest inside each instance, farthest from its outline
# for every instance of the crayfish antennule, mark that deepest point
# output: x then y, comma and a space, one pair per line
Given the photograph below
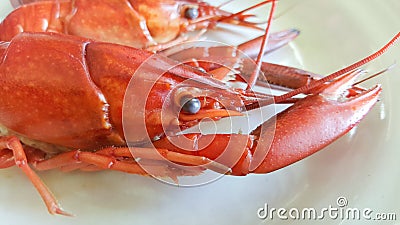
332, 76
239, 17
376, 74
339, 86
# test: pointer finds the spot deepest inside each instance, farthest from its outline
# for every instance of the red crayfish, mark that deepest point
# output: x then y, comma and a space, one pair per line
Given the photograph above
65, 104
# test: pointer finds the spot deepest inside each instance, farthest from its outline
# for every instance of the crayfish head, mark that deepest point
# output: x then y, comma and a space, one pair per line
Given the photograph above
189, 105
166, 20
196, 104
197, 15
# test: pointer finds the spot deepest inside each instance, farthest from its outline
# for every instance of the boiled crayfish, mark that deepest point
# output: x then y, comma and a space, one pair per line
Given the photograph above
147, 24
65, 100
88, 19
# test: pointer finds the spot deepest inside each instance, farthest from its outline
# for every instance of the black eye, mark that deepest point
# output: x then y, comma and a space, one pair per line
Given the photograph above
190, 105
191, 13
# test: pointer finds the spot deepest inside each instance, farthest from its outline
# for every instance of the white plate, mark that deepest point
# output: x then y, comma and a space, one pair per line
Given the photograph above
362, 166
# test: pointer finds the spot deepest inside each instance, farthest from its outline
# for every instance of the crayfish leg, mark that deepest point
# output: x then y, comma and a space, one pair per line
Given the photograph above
83, 159
231, 150
18, 154
121, 159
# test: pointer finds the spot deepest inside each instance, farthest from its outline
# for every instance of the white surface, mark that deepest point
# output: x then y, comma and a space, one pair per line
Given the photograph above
362, 167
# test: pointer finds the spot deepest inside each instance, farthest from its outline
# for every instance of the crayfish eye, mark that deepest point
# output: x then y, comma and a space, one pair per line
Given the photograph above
190, 105
191, 13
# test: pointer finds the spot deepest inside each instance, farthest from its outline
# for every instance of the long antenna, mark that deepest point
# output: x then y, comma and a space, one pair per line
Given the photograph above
245, 10
254, 75
332, 76
376, 74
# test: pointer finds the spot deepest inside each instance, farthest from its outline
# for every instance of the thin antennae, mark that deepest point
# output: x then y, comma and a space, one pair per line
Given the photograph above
237, 18
338, 73
376, 74
254, 75
245, 10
